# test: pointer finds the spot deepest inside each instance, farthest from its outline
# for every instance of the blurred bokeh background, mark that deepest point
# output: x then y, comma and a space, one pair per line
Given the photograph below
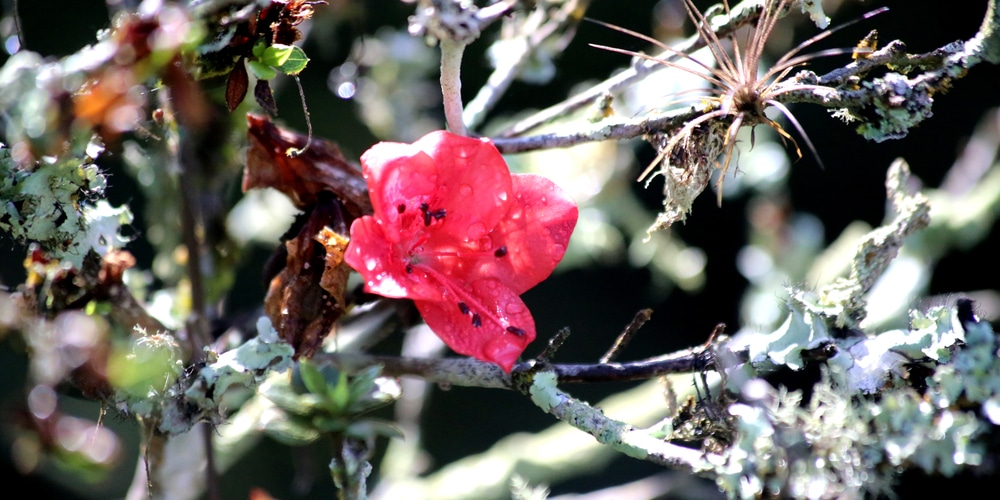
369, 80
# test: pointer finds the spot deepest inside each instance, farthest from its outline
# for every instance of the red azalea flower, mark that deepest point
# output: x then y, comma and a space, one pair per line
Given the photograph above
455, 232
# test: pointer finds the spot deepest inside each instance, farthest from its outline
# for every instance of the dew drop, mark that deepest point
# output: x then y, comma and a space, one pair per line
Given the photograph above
465, 189
514, 308
556, 251
502, 195
476, 231
370, 264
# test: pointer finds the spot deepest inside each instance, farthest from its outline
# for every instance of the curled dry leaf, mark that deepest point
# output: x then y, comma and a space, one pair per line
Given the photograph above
321, 167
306, 298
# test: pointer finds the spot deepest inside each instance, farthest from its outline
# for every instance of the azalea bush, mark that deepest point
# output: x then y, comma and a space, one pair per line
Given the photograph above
290, 248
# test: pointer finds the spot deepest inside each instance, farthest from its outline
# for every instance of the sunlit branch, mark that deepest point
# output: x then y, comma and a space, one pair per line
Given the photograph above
468, 372
740, 15
841, 88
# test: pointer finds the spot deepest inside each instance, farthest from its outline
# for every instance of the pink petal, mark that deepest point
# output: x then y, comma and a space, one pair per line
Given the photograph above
383, 269
397, 174
506, 326
534, 232
473, 186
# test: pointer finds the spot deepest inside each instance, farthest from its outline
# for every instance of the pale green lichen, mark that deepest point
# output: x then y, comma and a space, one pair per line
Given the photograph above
899, 105
544, 392
815, 10
49, 204
199, 396
843, 301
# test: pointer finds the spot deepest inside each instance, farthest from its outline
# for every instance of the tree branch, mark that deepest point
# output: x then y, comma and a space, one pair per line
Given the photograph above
468, 372
899, 102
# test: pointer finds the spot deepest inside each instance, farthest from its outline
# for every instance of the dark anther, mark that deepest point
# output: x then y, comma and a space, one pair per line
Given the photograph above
476, 320
401, 208
462, 306
501, 251
409, 269
516, 331
439, 214
427, 214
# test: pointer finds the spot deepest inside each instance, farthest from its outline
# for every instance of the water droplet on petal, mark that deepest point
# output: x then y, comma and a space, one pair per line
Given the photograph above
513, 308
502, 195
465, 189
370, 264
476, 231
516, 214
556, 251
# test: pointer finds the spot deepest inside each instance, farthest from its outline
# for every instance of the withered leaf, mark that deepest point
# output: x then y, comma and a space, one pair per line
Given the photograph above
236, 88
306, 298
265, 97
321, 167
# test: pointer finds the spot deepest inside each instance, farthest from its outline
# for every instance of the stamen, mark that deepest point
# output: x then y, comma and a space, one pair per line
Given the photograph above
476, 320
439, 214
501, 251
409, 269
462, 306
427, 215
516, 331
401, 208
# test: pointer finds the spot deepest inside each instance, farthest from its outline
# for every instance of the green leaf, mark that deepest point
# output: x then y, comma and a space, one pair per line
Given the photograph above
290, 431
340, 394
276, 55
295, 62
259, 48
261, 70
312, 378
371, 427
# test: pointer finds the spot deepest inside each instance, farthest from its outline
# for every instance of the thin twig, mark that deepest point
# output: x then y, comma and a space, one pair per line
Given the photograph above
517, 52
554, 344
625, 337
17, 26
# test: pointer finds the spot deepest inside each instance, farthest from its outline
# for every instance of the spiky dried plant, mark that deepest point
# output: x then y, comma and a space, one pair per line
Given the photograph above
739, 93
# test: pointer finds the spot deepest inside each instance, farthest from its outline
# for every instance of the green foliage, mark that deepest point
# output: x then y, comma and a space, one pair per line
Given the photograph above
319, 401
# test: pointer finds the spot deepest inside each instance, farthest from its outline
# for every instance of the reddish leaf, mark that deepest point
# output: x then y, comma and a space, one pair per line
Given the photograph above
320, 168
236, 87
456, 232
265, 98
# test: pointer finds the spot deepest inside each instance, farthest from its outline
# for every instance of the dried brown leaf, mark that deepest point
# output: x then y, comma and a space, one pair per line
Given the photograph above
321, 167
306, 298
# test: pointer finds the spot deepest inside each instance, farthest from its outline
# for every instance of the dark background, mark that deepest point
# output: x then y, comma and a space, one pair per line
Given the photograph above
595, 302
